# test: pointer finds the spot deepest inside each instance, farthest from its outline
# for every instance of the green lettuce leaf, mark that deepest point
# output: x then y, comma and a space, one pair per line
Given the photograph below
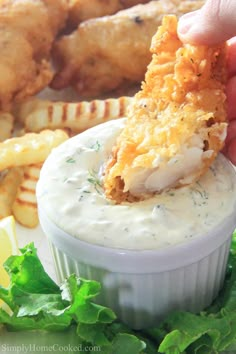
38, 303
211, 331
80, 292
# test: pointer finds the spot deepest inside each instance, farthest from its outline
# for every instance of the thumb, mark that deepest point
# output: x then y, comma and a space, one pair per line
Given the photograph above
215, 22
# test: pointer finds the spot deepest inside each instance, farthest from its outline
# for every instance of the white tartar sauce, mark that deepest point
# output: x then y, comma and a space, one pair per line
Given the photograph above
71, 194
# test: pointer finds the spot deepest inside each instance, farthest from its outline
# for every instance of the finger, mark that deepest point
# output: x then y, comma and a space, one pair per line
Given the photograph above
231, 60
231, 94
231, 152
231, 132
214, 23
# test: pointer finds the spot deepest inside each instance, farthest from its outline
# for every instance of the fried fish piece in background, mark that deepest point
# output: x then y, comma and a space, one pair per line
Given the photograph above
27, 31
82, 10
177, 124
110, 52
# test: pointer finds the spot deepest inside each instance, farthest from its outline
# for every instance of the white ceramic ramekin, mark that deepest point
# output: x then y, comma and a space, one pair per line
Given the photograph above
142, 287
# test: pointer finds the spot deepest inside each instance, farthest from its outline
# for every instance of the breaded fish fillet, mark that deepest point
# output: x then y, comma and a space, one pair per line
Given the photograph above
27, 30
177, 124
82, 10
112, 51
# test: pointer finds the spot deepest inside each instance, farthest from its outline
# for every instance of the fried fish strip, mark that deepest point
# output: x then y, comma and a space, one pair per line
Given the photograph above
25, 208
27, 31
30, 148
8, 188
113, 51
82, 10
38, 114
177, 124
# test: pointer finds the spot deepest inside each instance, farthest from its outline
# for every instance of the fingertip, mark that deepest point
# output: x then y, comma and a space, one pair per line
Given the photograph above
201, 27
185, 29
198, 31
185, 22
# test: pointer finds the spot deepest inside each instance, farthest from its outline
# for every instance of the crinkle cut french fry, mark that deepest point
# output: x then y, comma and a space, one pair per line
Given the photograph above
19, 132
23, 109
6, 125
8, 189
30, 148
76, 116
25, 208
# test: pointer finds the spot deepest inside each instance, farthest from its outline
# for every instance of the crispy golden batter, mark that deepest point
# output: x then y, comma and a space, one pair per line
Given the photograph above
27, 30
112, 51
82, 10
176, 126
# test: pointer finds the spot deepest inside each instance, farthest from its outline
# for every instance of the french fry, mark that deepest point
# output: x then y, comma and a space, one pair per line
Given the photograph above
8, 189
23, 109
19, 132
39, 115
25, 208
29, 149
6, 125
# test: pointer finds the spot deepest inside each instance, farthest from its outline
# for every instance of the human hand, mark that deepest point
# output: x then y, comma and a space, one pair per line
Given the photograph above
215, 22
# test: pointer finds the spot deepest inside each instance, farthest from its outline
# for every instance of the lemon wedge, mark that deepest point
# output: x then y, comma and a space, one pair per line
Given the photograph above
8, 246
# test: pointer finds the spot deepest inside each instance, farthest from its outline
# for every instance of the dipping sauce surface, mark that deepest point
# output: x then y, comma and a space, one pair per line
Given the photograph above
70, 190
